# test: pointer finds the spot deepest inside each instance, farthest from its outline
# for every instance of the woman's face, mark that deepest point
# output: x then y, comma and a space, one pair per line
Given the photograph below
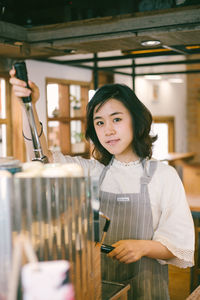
114, 129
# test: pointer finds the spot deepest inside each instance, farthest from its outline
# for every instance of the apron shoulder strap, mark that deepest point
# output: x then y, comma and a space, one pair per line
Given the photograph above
153, 167
148, 174
103, 173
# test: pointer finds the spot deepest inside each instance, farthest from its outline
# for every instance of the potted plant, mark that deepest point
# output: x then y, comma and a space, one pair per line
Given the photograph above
75, 106
79, 145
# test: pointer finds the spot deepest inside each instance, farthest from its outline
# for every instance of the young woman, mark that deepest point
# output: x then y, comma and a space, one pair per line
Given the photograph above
151, 224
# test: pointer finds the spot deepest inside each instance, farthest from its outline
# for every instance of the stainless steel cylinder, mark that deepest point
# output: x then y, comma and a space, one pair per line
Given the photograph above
56, 214
5, 233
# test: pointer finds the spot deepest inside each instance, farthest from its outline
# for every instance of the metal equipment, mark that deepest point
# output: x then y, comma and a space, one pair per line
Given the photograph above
56, 215
21, 73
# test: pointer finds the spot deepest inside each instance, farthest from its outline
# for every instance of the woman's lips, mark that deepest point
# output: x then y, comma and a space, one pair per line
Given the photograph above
112, 142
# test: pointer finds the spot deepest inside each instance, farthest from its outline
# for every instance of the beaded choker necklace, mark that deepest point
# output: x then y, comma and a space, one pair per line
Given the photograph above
128, 164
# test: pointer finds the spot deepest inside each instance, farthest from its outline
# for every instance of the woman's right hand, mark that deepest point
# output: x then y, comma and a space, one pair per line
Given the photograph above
20, 89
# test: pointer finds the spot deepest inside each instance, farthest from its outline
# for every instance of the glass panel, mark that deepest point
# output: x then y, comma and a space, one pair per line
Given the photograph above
3, 148
75, 100
77, 137
2, 98
52, 100
160, 147
53, 135
76, 132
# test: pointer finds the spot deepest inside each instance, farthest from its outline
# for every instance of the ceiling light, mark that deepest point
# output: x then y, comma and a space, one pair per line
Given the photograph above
150, 43
18, 43
176, 80
153, 77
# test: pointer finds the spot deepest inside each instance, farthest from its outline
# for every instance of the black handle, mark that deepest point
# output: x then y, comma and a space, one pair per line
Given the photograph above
106, 248
107, 223
106, 226
21, 73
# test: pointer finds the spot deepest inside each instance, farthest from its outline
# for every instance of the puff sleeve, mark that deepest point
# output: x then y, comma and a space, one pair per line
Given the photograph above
175, 228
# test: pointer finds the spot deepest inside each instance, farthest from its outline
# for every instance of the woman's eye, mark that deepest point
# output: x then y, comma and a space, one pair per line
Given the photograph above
117, 119
99, 123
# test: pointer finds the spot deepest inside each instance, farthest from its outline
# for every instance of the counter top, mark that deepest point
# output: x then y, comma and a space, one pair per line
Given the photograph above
172, 157
113, 290
194, 202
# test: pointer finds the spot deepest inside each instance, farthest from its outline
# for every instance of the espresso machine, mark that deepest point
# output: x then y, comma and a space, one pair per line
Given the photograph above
56, 210
56, 215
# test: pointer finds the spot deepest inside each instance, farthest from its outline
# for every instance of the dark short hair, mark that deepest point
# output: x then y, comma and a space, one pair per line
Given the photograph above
141, 120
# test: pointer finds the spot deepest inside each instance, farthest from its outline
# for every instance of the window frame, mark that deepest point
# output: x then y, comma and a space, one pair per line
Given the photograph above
7, 121
169, 120
65, 139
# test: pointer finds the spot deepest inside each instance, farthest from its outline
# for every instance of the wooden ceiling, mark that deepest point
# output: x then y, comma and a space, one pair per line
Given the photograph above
178, 30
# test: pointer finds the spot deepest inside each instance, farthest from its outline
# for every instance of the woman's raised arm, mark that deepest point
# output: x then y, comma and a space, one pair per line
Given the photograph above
20, 90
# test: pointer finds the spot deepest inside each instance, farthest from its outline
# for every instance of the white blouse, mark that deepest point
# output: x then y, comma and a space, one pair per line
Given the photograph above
172, 219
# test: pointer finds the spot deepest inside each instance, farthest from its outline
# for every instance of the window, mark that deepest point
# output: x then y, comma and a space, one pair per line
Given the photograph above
66, 115
163, 127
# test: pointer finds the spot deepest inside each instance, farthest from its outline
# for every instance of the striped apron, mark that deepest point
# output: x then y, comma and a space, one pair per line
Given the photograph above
131, 218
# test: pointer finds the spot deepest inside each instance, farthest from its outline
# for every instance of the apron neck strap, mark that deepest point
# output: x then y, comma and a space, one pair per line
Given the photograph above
148, 172
103, 173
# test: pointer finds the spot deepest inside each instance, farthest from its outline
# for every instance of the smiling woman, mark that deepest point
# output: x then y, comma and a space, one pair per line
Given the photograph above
126, 102
114, 129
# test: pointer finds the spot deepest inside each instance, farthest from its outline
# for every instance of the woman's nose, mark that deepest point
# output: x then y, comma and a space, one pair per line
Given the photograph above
109, 130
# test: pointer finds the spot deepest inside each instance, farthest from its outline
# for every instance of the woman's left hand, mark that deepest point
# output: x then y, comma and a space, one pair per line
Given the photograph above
128, 251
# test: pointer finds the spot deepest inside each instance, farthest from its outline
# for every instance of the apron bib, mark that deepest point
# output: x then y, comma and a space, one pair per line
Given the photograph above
131, 218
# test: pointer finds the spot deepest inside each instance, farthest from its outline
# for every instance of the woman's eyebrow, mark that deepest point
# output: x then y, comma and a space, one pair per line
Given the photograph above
116, 113
96, 118
113, 114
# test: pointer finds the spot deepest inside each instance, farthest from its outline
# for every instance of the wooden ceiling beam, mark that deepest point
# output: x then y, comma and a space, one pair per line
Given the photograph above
180, 26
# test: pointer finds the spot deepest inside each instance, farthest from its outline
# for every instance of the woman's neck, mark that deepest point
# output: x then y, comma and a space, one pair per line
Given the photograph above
127, 159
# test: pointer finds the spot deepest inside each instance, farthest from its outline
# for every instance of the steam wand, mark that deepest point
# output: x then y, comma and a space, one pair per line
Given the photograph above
105, 248
21, 73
